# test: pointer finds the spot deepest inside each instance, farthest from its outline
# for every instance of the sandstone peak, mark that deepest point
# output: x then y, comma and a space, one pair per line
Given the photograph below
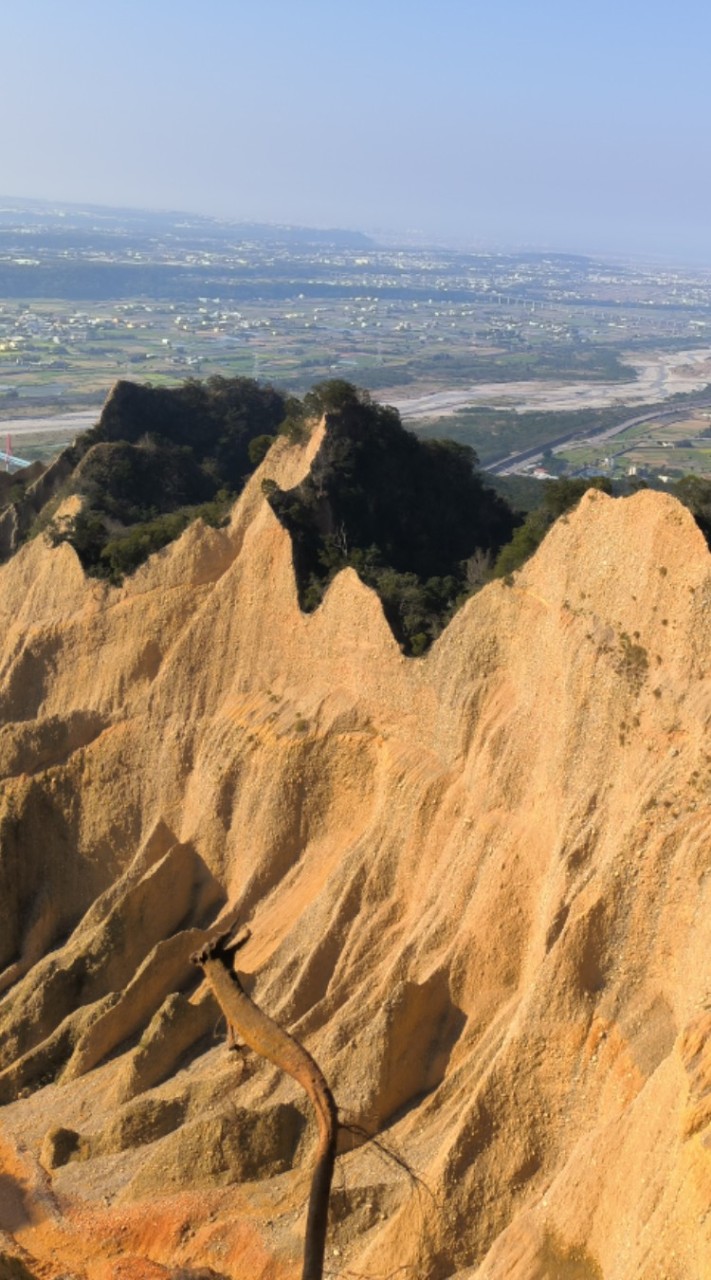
478, 884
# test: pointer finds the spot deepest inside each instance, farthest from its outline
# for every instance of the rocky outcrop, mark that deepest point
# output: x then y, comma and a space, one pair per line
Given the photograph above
42, 485
478, 886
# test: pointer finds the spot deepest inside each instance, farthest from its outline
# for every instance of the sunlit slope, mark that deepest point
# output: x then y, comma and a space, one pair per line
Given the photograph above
477, 882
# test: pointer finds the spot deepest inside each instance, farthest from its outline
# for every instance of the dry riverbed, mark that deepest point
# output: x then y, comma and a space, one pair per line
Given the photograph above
659, 376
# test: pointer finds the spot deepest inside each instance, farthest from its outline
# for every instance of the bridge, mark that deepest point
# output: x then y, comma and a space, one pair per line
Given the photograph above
9, 460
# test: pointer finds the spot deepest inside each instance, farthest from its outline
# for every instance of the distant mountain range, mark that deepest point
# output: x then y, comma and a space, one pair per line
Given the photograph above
51, 216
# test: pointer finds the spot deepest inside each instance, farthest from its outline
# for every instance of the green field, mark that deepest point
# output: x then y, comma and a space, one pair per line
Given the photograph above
656, 447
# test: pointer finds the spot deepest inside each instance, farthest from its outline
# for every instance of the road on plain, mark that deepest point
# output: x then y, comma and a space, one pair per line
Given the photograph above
68, 424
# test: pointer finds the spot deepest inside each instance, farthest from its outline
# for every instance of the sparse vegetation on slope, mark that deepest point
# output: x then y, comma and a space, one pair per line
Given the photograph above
557, 498
412, 517
158, 459
544, 502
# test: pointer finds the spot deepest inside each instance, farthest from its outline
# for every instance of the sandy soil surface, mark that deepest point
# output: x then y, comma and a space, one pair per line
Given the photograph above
479, 885
659, 376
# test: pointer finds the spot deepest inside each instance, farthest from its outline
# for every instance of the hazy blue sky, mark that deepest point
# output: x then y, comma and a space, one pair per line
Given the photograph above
569, 125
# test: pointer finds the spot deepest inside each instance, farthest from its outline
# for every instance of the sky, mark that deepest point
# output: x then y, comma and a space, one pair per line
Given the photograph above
501, 124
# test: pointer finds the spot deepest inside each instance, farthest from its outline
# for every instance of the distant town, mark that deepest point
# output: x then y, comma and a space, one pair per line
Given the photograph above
509, 352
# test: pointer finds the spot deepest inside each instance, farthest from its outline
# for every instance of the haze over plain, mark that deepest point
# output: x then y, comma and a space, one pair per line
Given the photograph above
581, 128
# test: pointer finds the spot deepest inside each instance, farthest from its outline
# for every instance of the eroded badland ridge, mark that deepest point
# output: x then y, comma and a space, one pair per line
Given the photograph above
479, 889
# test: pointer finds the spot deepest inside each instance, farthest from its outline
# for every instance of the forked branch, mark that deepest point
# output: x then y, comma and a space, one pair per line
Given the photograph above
268, 1039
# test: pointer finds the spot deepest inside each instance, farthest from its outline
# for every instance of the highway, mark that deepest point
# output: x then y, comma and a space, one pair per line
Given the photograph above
511, 464
67, 424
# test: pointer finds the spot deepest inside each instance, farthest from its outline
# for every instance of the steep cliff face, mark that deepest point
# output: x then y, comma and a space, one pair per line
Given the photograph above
479, 887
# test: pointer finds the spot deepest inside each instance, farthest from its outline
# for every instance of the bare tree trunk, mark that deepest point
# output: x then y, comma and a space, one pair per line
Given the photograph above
268, 1039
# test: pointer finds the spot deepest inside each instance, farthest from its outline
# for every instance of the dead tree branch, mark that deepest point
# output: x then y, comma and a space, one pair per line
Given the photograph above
268, 1039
